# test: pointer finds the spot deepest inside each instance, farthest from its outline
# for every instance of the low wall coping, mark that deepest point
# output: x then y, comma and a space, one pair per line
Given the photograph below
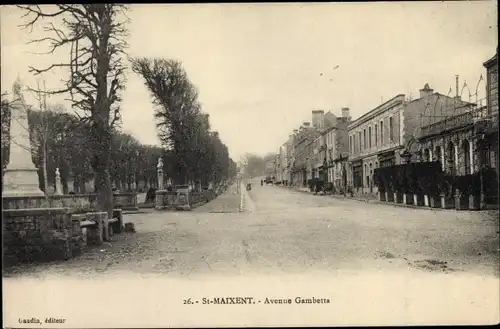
72, 195
125, 193
36, 211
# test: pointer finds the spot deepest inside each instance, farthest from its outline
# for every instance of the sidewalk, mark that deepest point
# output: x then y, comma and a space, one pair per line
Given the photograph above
227, 202
374, 200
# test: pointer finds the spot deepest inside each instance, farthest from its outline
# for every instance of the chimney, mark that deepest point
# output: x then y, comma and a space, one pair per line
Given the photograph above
426, 91
317, 119
345, 112
457, 96
295, 131
306, 124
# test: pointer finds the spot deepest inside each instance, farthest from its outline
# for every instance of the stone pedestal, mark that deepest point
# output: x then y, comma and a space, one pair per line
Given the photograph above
164, 200
182, 200
426, 201
126, 201
474, 202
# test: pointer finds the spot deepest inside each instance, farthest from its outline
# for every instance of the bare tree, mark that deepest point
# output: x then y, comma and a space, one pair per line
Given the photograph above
94, 36
42, 136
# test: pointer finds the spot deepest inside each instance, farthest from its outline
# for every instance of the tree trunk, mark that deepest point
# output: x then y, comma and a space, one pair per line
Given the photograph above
100, 146
44, 164
104, 192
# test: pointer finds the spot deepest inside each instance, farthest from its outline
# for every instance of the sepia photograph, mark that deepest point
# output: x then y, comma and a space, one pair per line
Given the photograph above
250, 164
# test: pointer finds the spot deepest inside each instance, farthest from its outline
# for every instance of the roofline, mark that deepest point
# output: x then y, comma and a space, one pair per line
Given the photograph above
490, 61
359, 120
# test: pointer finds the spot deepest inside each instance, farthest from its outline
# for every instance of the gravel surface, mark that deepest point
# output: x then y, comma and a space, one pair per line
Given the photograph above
290, 232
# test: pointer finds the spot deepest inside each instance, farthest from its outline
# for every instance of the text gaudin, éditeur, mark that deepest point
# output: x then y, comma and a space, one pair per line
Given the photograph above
252, 300
49, 320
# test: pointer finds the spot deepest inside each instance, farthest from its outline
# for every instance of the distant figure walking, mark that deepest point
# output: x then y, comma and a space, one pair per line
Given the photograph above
151, 195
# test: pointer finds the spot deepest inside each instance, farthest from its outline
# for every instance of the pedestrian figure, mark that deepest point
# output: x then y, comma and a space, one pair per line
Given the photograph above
151, 195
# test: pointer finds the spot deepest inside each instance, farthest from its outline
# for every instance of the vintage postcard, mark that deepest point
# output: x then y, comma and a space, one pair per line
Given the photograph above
250, 164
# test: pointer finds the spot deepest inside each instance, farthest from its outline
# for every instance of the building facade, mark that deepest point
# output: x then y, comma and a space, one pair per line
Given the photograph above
490, 152
463, 136
336, 141
375, 139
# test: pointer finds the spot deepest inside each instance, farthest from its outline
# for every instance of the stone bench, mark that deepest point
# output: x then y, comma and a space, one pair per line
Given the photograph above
96, 227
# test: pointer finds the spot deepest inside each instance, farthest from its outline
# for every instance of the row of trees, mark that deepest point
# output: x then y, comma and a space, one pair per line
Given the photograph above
93, 37
256, 165
58, 140
183, 128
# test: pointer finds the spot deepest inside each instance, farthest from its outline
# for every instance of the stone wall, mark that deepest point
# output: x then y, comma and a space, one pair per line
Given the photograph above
37, 235
126, 200
170, 200
164, 199
76, 202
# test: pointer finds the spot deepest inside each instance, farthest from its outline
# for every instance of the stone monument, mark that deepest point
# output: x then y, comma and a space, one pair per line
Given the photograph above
160, 173
161, 201
58, 190
33, 229
21, 176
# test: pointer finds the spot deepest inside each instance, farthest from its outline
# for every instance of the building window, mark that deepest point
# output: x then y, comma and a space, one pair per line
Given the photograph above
376, 135
381, 132
354, 143
365, 144
359, 141
391, 130
350, 143
370, 137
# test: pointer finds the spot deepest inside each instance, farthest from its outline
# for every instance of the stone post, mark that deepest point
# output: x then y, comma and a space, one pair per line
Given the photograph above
133, 185
21, 176
58, 190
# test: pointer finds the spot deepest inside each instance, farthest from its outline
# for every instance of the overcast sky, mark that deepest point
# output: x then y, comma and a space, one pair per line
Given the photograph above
258, 66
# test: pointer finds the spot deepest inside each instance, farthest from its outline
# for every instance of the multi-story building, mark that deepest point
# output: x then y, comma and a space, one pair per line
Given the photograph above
442, 119
291, 156
307, 148
463, 136
375, 139
303, 152
332, 143
318, 167
491, 120
287, 159
338, 139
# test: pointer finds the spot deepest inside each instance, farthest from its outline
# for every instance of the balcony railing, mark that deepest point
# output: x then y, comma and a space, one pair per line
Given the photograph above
455, 122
